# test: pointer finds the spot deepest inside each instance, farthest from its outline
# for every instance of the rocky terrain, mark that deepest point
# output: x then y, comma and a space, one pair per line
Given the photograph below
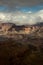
21, 45
12, 29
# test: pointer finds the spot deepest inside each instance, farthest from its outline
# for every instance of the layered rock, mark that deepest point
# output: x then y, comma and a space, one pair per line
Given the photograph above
10, 29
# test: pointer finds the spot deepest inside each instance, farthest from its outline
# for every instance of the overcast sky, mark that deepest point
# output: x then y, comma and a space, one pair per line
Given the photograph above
12, 3
21, 12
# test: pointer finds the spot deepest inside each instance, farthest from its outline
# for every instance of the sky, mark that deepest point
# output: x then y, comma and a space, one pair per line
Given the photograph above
21, 12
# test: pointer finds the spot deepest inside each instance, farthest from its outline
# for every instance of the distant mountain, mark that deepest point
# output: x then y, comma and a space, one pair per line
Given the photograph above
39, 24
10, 29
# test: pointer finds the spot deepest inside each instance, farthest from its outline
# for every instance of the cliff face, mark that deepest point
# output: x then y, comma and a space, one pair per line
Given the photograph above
21, 45
12, 29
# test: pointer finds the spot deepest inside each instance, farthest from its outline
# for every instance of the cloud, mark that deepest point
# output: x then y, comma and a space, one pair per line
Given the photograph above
22, 18
13, 3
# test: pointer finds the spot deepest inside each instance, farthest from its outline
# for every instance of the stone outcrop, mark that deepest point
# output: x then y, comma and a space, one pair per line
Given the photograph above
9, 28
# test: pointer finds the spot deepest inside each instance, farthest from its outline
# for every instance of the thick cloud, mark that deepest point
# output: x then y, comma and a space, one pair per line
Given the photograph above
13, 3
22, 18
19, 17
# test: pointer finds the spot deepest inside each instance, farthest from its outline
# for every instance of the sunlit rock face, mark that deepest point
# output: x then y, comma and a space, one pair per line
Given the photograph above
27, 30
9, 28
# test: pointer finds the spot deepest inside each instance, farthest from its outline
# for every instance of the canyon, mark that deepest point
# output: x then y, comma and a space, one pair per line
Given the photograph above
10, 28
21, 45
